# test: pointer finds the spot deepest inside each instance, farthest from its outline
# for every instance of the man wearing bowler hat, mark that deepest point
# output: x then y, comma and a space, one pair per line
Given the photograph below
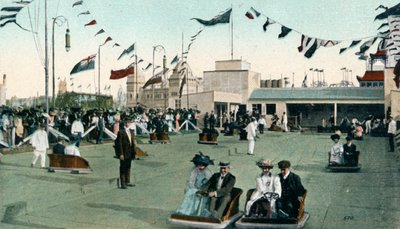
126, 152
219, 188
292, 192
349, 152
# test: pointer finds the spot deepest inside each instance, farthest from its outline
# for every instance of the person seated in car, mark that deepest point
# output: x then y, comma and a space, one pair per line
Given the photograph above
292, 192
195, 204
336, 154
268, 189
349, 152
72, 149
59, 147
219, 188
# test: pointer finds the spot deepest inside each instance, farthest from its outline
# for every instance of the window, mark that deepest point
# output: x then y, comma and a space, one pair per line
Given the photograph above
271, 109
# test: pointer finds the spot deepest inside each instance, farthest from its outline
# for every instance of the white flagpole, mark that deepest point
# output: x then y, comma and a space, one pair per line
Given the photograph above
232, 33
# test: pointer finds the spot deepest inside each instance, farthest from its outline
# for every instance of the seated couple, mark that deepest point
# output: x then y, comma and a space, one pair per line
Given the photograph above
207, 195
345, 154
275, 196
70, 149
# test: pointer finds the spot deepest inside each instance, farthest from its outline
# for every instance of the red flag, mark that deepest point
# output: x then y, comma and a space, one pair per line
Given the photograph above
154, 79
119, 74
107, 40
93, 22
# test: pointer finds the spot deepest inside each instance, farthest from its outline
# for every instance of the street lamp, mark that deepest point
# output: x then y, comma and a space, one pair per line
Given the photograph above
164, 60
59, 20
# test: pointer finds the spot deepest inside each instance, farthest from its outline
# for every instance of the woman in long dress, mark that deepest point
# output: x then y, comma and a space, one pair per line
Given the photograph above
194, 204
336, 154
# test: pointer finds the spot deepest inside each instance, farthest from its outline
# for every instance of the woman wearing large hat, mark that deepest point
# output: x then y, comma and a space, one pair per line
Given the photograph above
195, 204
261, 202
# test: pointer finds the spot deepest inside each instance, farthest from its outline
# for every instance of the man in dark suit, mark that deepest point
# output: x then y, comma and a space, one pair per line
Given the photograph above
349, 150
59, 147
292, 192
219, 188
126, 152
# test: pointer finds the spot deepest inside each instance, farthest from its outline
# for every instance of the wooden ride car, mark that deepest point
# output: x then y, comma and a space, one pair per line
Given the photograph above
344, 167
231, 214
275, 221
68, 163
162, 138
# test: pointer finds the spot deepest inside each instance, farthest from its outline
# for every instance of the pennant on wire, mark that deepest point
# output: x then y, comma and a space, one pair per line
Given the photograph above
93, 22
267, 23
140, 61
395, 10
221, 18
77, 3
284, 31
127, 51
147, 68
252, 13
12, 9
366, 45
194, 36
107, 40
100, 32
353, 43
328, 43
22, 2
383, 25
84, 13
158, 66
13, 16
115, 44
119, 74
308, 45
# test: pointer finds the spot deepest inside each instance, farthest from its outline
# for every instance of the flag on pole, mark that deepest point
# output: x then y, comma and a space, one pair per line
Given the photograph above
304, 83
85, 64
154, 79
93, 22
127, 51
220, 18
119, 74
181, 87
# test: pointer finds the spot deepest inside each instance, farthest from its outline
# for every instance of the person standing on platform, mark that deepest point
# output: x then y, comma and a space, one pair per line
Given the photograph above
251, 135
284, 122
40, 144
391, 132
126, 152
261, 124
77, 130
100, 125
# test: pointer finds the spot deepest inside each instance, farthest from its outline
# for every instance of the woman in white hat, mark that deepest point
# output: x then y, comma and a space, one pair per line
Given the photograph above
268, 186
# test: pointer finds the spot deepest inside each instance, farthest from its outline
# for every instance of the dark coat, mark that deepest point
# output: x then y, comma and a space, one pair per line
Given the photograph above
58, 148
126, 148
226, 187
349, 150
296, 188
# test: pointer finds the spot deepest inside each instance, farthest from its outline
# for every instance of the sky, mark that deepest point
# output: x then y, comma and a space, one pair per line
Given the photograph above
160, 22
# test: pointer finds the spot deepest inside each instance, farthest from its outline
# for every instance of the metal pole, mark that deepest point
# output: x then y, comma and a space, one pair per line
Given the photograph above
152, 86
53, 54
46, 62
99, 70
136, 76
165, 80
187, 86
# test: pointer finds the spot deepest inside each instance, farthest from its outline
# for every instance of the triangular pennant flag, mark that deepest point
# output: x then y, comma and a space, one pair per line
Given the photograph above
12, 9
181, 86
127, 51
175, 59
115, 44
328, 43
252, 13
147, 68
93, 22
99, 32
284, 31
84, 13
395, 10
85, 64
8, 16
268, 22
140, 61
221, 18
308, 45
77, 3
353, 43
119, 74
366, 45
107, 40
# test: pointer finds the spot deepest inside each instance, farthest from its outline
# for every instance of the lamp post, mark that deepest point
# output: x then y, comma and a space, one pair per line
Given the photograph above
59, 20
152, 86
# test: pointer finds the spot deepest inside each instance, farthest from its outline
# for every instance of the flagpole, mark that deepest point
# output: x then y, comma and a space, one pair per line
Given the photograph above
232, 36
99, 70
46, 62
136, 77
187, 87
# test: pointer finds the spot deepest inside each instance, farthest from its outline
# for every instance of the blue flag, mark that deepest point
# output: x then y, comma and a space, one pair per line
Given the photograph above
85, 64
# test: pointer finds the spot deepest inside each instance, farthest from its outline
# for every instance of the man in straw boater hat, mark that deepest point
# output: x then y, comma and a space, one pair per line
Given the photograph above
268, 189
195, 204
336, 154
219, 188
126, 151
292, 192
